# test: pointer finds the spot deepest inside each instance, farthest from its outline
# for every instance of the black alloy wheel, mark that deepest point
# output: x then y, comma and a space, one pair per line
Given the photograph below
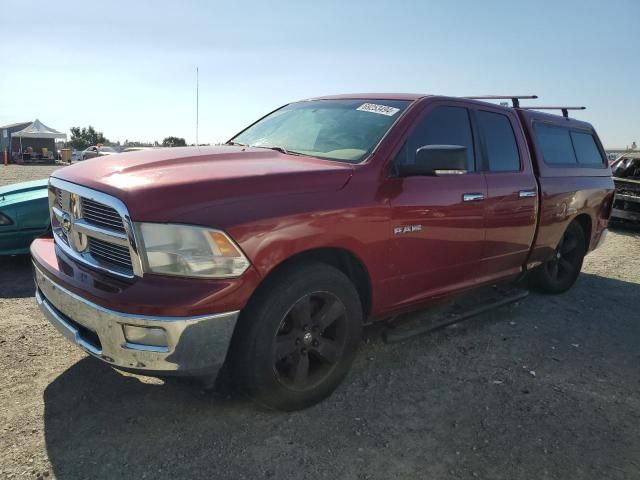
561, 271
297, 338
310, 340
566, 259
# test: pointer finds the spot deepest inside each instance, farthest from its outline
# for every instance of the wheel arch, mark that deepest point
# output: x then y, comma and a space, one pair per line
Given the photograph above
344, 260
585, 222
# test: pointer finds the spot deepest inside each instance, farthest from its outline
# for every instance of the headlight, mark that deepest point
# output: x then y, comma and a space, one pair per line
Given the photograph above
4, 220
190, 251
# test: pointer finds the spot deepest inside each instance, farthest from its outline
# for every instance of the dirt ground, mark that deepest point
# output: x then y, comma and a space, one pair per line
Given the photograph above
22, 173
546, 389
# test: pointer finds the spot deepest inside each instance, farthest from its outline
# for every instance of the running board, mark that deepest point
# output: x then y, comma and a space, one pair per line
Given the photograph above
425, 324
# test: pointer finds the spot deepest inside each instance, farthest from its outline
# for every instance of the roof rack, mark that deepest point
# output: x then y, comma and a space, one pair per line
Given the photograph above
565, 110
515, 99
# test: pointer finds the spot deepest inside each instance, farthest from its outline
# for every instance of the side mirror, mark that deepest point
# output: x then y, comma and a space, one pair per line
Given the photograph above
437, 160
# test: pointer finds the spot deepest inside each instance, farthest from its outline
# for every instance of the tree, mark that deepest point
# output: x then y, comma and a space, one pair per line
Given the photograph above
82, 138
135, 143
174, 142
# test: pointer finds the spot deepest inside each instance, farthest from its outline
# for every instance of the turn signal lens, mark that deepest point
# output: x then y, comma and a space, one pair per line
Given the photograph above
224, 245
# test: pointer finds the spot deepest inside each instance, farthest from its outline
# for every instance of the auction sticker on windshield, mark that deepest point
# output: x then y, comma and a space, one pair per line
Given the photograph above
375, 108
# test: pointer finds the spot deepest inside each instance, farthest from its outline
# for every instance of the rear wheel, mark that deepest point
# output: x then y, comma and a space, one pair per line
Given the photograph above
561, 271
297, 339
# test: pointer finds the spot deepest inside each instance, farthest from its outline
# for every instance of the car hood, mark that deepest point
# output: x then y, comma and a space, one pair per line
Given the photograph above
23, 192
161, 185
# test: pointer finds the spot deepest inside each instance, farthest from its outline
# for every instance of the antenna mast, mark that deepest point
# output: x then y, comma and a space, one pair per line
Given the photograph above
197, 104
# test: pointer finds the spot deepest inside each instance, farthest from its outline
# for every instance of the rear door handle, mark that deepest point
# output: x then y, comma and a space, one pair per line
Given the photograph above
527, 193
472, 197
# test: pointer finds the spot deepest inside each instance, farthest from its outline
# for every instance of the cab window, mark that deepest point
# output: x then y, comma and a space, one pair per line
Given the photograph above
441, 126
500, 142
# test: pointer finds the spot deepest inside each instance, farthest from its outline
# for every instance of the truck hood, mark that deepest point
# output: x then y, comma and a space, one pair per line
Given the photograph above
161, 185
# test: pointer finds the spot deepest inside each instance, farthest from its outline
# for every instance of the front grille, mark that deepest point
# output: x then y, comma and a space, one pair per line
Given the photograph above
111, 255
628, 191
627, 188
101, 215
106, 246
622, 204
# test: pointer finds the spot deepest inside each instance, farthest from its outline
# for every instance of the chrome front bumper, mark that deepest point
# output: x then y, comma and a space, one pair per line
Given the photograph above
195, 345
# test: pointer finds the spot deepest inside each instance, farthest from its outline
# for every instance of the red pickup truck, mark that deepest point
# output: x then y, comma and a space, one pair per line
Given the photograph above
269, 253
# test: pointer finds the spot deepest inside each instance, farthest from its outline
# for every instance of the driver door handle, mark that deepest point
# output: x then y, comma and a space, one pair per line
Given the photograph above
527, 193
472, 197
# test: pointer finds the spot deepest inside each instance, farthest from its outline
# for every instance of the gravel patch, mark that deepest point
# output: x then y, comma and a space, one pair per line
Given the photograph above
22, 173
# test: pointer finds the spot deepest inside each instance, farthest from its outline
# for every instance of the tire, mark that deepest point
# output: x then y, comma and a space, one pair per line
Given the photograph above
560, 272
297, 338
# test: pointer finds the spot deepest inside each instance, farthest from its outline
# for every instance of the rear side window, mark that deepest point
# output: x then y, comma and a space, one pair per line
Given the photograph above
441, 126
500, 142
555, 144
586, 149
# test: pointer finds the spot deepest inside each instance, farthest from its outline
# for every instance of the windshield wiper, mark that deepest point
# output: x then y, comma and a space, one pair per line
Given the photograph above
277, 148
281, 150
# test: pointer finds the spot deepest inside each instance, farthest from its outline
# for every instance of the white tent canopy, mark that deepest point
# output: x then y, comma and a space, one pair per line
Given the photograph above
38, 130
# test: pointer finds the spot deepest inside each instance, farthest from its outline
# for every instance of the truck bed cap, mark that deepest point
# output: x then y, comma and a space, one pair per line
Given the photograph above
529, 116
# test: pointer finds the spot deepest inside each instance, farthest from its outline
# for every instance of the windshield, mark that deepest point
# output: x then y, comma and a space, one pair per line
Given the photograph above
343, 130
107, 149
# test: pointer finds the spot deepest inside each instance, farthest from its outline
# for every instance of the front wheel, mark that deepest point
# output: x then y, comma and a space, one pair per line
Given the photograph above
297, 339
561, 271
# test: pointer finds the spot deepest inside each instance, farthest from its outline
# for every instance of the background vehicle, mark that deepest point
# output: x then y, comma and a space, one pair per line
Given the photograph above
271, 252
626, 176
24, 215
97, 151
137, 149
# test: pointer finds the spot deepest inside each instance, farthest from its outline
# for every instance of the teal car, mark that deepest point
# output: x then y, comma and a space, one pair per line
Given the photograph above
24, 215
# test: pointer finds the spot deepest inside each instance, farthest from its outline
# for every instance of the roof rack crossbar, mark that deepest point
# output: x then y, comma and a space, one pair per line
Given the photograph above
565, 110
515, 99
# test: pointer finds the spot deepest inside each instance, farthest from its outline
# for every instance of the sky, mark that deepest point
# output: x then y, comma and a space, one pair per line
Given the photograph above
129, 68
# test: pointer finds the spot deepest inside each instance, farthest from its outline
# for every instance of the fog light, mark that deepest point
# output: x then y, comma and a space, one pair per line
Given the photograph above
152, 336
